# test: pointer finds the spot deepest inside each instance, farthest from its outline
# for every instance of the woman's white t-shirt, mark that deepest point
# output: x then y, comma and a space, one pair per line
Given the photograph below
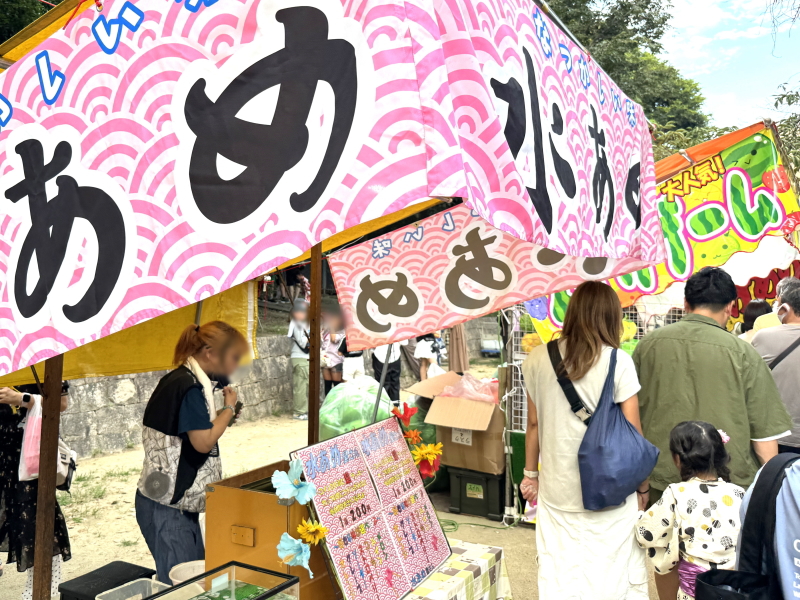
560, 431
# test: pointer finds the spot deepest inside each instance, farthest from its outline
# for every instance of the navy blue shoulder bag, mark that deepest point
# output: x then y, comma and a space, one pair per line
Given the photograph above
614, 458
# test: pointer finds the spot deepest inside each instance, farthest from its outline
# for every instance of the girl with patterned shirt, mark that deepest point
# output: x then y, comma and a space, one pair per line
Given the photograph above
694, 526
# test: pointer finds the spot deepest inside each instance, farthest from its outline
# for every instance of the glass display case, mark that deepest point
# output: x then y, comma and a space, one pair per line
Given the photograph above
235, 581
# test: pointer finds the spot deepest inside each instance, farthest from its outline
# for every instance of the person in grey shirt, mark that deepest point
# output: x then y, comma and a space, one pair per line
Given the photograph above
780, 348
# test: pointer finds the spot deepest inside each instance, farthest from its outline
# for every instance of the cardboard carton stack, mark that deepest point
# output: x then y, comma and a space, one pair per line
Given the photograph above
471, 432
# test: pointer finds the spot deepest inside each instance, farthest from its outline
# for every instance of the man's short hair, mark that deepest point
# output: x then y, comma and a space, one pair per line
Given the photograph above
791, 296
784, 284
710, 288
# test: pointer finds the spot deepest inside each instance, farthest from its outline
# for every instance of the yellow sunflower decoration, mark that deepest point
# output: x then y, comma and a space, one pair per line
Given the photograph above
312, 532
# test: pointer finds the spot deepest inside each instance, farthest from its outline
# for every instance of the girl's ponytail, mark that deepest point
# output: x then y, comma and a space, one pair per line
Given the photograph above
215, 334
188, 344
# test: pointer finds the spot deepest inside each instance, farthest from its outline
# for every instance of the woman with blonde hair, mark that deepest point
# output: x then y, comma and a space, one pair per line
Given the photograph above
181, 429
582, 553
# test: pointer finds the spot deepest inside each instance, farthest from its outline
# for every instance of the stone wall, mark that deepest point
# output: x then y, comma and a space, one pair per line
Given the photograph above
105, 413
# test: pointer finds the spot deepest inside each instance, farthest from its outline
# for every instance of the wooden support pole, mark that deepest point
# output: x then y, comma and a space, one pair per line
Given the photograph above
46, 498
315, 344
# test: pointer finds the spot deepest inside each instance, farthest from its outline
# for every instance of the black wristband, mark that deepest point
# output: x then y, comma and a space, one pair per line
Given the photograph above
647, 491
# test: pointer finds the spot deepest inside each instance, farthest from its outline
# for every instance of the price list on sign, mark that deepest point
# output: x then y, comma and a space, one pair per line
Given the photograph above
384, 537
345, 493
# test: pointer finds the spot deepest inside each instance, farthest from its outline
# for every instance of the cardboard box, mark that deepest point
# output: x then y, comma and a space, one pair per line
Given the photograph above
471, 431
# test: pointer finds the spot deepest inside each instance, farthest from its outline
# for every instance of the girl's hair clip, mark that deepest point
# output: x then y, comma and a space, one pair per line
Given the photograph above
725, 437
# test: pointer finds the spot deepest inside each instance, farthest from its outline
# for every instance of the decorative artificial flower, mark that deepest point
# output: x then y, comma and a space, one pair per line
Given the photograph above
312, 532
289, 485
294, 553
426, 452
725, 437
427, 457
427, 470
405, 416
413, 436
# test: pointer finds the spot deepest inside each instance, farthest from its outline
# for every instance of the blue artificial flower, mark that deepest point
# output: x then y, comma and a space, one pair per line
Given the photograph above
294, 553
291, 486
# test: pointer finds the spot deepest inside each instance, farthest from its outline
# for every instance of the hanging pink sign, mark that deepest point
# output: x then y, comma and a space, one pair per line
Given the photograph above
160, 152
445, 270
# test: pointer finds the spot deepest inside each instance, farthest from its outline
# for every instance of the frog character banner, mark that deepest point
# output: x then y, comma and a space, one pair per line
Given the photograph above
160, 152
723, 204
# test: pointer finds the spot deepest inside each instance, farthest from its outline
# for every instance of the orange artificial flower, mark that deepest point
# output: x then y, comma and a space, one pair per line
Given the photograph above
413, 436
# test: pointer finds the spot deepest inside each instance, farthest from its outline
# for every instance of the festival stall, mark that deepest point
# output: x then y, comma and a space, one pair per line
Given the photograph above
155, 155
718, 202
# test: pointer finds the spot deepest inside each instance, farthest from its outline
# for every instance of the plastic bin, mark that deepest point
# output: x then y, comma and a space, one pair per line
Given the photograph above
478, 494
108, 577
185, 571
135, 590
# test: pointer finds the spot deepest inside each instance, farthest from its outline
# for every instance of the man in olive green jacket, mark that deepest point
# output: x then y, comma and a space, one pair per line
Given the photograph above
695, 370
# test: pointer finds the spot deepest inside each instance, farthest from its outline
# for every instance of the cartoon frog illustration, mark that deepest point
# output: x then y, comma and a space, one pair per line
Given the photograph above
756, 155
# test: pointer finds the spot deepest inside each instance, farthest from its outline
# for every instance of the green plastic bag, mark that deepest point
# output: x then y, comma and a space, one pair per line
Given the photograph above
349, 406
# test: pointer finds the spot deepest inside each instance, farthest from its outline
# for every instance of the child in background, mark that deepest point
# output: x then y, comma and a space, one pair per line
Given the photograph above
695, 525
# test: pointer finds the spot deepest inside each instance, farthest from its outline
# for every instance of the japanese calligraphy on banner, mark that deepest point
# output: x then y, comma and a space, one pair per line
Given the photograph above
384, 537
722, 205
447, 269
160, 152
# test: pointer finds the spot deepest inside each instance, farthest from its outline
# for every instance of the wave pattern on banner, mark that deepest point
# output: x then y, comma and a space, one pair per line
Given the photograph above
458, 98
511, 59
120, 105
440, 272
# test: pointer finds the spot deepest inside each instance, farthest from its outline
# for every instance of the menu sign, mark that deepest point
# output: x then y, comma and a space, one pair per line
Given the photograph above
384, 537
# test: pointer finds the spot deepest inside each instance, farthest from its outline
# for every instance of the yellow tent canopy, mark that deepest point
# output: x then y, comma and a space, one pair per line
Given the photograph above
34, 34
148, 346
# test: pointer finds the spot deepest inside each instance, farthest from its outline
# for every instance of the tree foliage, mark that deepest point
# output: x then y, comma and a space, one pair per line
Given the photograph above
789, 127
15, 15
667, 142
624, 36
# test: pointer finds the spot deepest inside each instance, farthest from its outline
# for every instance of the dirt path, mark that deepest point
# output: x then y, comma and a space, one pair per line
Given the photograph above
100, 513
103, 528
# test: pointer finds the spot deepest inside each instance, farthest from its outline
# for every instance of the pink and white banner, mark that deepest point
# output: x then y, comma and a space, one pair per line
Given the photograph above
163, 151
447, 269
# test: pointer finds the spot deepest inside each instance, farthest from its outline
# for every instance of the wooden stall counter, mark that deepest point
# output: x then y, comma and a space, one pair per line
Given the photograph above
245, 521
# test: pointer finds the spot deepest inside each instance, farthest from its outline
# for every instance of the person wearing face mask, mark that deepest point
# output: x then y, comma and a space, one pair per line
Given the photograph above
181, 429
771, 319
695, 370
778, 347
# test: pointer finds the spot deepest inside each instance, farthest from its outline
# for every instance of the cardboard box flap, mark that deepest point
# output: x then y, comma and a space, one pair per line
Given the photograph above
460, 413
430, 388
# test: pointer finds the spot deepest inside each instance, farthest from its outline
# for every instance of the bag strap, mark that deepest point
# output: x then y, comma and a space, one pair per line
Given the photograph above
779, 359
758, 530
575, 402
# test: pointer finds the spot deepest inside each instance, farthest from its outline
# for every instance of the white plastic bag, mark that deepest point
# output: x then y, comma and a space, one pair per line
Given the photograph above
31, 441
434, 369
